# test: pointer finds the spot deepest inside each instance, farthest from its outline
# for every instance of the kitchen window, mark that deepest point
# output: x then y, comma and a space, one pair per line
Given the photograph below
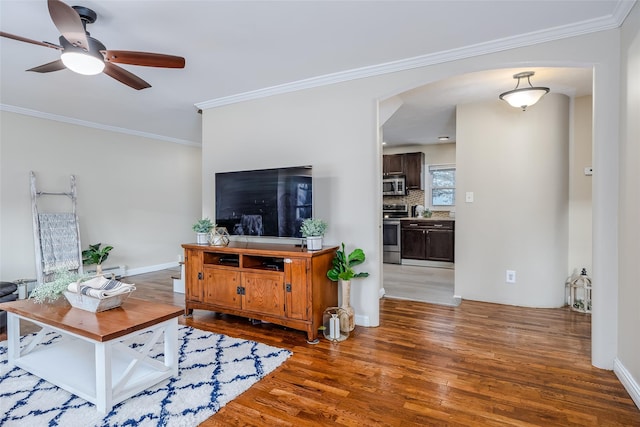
442, 183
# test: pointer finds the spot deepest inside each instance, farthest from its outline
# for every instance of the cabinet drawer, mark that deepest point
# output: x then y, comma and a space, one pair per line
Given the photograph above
427, 224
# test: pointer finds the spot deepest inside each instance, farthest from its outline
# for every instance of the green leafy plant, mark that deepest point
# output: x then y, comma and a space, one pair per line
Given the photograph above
312, 227
203, 225
343, 265
51, 291
95, 255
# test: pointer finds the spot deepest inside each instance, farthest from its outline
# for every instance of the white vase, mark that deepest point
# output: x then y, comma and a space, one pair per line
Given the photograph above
202, 238
314, 243
350, 320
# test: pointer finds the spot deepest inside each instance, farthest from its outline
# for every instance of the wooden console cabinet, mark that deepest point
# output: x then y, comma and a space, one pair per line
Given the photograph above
277, 283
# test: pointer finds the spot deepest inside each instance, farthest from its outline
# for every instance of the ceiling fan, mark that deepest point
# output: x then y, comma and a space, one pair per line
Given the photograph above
85, 55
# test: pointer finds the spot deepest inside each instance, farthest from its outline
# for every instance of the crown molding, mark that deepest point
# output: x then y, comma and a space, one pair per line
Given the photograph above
615, 20
70, 120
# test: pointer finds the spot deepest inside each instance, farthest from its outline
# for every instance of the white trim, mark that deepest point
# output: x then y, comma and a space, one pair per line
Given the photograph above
440, 166
70, 120
542, 36
627, 380
361, 320
381, 293
151, 268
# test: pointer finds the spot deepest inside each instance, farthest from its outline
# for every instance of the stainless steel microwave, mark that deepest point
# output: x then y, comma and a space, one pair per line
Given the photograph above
394, 185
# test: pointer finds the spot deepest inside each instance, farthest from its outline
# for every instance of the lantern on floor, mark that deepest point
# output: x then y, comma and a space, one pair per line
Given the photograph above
580, 292
332, 319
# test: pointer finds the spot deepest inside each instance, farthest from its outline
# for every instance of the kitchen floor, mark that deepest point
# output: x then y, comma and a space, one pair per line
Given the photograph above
427, 284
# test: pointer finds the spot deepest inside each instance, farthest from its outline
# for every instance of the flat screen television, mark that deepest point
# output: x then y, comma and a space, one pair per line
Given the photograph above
265, 202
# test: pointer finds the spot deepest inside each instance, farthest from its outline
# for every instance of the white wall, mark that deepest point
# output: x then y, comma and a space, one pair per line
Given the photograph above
335, 128
628, 360
139, 195
580, 206
325, 128
516, 165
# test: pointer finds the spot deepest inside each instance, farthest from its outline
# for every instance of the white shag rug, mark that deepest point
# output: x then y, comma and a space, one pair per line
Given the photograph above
213, 370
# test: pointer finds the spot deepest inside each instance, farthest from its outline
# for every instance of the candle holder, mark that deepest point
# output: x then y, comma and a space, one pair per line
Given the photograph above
332, 319
219, 236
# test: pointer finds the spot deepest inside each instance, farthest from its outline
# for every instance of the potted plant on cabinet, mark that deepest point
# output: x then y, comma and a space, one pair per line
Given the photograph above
313, 229
95, 255
342, 272
202, 229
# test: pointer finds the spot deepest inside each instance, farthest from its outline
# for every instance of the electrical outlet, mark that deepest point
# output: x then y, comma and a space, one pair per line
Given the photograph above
511, 276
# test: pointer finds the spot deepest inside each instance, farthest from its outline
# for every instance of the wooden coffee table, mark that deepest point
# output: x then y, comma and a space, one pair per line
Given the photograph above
90, 359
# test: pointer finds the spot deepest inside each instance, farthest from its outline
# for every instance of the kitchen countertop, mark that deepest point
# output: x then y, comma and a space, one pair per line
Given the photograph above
427, 219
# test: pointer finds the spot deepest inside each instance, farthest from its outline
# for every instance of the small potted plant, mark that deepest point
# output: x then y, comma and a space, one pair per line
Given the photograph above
342, 272
313, 229
202, 229
95, 255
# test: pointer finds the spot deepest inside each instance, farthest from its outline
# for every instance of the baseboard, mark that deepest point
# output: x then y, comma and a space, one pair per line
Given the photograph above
362, 320
151, 268
627, 380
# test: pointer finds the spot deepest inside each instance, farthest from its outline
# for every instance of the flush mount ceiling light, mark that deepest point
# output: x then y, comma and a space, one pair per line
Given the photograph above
525, 96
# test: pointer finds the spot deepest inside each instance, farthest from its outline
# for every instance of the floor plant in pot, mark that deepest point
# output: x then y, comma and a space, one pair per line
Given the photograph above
342, 272
313, 229
202, 229
95, 255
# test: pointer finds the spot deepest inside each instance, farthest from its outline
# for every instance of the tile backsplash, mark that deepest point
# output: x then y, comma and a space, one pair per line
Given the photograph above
415, 197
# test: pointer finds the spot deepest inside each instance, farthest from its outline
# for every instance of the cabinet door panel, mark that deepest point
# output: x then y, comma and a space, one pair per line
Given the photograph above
264, 293
413, 244
221, 287
440, 245
193, 266
413, 170
393, 164
295, 276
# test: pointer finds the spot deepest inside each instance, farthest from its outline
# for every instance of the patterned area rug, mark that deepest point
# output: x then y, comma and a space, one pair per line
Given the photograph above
213, 370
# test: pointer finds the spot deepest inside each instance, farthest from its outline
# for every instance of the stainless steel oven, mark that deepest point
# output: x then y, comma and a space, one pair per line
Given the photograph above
391, 214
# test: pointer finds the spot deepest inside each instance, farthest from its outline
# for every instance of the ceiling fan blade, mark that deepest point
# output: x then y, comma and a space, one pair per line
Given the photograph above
26, 40
145, 59
123, 76
56, 65
68, 22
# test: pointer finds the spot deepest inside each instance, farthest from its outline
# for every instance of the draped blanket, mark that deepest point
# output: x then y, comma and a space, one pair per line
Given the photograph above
59, 241
99, 287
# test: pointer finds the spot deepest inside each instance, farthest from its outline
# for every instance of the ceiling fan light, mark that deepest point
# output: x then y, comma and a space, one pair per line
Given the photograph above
526, 96
82, 63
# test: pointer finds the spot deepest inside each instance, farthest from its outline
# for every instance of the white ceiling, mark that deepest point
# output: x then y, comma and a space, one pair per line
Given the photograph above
238, 49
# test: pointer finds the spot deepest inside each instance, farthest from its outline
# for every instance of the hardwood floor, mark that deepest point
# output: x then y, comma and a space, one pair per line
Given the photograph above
477, 364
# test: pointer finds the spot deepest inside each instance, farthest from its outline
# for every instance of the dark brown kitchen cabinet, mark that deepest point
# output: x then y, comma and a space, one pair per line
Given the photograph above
413, 170
407, 164
414, 243
429, 240
393, 164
